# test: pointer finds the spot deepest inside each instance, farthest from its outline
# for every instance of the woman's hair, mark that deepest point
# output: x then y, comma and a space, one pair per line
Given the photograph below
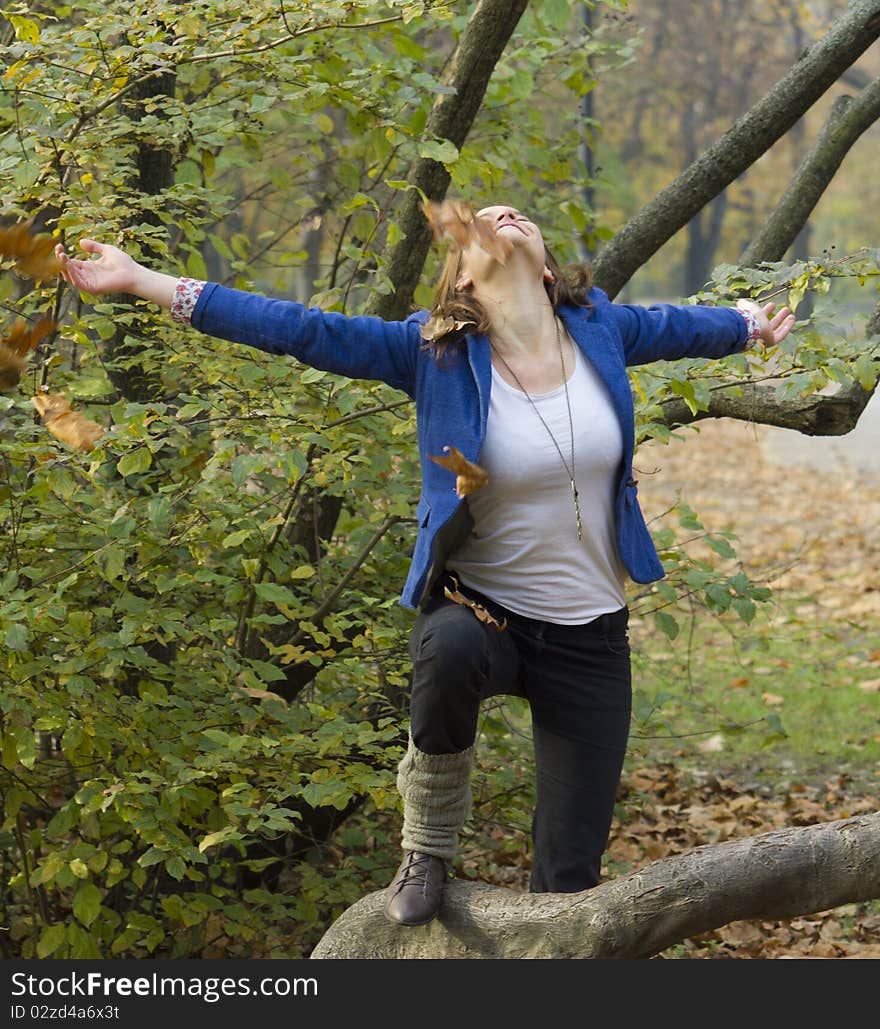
456, 312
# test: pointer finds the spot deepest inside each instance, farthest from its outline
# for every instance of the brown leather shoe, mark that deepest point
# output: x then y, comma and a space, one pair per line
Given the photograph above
416, 890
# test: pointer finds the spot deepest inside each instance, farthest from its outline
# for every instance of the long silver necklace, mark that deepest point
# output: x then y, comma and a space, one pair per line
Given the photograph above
569, 469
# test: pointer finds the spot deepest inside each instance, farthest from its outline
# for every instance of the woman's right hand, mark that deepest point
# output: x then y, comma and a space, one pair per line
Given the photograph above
112, 271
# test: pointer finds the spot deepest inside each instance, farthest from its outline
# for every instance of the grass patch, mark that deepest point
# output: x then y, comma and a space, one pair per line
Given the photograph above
794, 693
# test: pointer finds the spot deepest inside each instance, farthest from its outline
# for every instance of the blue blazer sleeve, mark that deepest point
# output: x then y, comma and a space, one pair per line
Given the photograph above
667, 332
361, 347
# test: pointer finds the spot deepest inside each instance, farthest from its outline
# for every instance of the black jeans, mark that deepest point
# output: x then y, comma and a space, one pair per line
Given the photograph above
577, 681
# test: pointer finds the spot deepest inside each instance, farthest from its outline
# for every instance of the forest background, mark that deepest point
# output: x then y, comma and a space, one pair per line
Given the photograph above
202, 660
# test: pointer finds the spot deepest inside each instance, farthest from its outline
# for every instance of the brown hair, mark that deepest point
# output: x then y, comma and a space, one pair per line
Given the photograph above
456, 312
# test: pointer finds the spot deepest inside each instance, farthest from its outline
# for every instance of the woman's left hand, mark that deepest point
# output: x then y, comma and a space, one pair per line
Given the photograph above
773, 327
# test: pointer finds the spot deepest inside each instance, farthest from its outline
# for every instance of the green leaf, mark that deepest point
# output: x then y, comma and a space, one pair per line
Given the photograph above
685, 390
17, 636
228, 832
112, 562
195, 265
275, 594
442, 150
153, 856
176, 867
9, 750
666, 623
721, 546
87, 903
303, 572
234, 539
50, 940
137, 461
557, 13
865, 370
79, 868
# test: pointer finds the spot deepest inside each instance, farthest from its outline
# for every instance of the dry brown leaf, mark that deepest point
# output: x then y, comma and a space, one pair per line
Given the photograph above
772, 699
14, 348
261, 694
435, 328
456, 220
739, 933
825, 950
744, 803
34, 255
25, 337
12, 367
655, 849
870, 685
71, 427
469, 477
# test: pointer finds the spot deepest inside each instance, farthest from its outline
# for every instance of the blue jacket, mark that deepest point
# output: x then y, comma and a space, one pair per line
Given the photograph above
452, 396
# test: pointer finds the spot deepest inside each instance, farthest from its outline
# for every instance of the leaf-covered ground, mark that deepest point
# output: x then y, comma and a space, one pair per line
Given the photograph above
673, 813
809, 527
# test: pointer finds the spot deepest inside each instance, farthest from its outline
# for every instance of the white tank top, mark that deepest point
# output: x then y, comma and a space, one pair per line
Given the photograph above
524, 551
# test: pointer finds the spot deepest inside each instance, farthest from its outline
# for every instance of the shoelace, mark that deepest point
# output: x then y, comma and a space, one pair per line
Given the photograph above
417, 871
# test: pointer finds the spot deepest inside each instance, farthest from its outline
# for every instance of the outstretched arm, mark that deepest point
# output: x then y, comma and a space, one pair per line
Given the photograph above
358, 347
667, 332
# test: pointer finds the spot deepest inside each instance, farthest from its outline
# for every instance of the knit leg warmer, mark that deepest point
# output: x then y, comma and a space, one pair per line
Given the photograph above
436, 791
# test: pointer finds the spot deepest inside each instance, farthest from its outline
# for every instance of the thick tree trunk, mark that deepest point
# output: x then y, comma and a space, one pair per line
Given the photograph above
479, 49
848, 119
154, 173
777, 875
753, 134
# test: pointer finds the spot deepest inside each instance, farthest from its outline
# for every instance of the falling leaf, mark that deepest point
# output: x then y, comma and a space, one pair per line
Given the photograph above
772, 699
34, 255
469, 477
435, 328
455, 220
71, 427
14, 348
12, 367
740, 681
712, 745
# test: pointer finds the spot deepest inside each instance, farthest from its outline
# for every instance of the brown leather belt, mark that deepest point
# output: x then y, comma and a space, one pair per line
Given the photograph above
485, 616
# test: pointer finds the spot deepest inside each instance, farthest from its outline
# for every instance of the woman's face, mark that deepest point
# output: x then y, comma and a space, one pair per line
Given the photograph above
520, 237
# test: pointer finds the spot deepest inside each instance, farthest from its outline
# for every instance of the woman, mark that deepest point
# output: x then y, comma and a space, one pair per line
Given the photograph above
519, 563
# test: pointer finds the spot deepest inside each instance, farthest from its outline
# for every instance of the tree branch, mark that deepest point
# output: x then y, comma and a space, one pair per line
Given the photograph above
816, 414
327, 605
752, 135
777, 875
846, 122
